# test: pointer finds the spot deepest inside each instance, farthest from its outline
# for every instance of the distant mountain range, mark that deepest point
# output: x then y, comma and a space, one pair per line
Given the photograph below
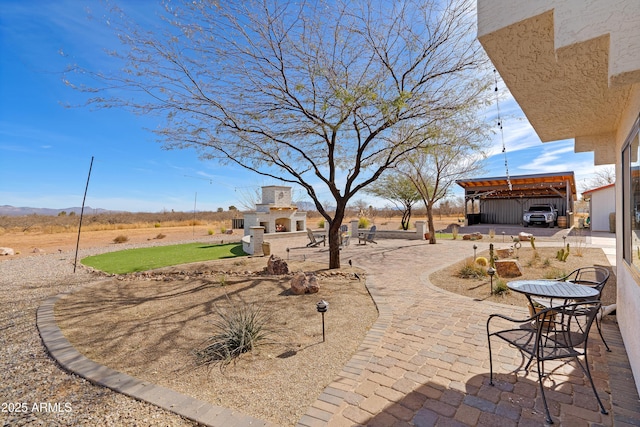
6, 210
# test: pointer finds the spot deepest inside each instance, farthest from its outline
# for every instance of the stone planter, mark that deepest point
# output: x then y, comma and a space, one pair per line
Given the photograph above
548, 318
266, 248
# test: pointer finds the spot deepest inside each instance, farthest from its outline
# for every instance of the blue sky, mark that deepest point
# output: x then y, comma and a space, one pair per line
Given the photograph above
46, 149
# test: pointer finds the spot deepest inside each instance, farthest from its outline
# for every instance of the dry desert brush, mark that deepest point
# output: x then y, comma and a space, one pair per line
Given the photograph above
238, 329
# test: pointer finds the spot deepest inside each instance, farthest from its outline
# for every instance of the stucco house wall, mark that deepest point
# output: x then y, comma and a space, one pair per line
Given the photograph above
573, 66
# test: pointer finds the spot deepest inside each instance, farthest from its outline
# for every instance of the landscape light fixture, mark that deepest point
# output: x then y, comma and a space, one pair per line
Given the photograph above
503, 237
475, 247
322, 306
491, 271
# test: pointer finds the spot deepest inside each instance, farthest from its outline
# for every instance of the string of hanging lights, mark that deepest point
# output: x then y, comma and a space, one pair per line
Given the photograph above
504, 148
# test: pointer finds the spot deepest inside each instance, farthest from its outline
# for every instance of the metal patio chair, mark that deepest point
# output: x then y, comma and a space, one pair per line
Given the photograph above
592, 276
540, 338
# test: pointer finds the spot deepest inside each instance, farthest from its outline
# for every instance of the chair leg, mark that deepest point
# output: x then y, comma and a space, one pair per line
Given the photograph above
544, 398
490, 358
587, 372
490, 365
598, 322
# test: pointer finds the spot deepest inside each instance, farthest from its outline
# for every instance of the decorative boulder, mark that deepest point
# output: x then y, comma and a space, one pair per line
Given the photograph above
504, 253
277, 266
525, 237
6, 251
508, 268
472, 236
303, 284
312, 285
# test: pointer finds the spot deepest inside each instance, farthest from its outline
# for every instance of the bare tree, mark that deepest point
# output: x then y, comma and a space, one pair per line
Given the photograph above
307, 93
603, 176
400, 190
249, 197
455, 154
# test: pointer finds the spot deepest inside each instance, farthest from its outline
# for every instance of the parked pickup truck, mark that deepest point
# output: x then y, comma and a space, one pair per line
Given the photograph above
540, 214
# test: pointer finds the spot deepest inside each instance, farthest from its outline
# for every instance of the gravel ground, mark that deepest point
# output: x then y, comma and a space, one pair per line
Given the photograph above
34, 390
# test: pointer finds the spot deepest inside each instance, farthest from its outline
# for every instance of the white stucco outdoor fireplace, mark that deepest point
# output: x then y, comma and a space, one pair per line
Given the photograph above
276, 214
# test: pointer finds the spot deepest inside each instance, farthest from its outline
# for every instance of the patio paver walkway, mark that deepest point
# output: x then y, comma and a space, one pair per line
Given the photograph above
425, 361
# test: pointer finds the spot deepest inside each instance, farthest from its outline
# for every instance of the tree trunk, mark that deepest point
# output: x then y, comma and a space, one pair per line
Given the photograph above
406, 217
334, 237
432, 228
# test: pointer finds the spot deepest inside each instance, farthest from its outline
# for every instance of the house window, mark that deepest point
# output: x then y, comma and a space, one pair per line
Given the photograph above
631, 198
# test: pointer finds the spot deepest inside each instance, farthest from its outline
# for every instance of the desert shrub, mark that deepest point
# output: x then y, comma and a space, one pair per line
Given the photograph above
546, 262
161, 236
121, 239
535, 257
500, 287
482, 261
492, 232
223, 229
321, 223
471, 270
210, 232
157, 225
363, 223
554, 273
237, 330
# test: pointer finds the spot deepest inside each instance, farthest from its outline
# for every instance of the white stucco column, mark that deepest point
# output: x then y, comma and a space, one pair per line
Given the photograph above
421, 229
354, 228
257, 237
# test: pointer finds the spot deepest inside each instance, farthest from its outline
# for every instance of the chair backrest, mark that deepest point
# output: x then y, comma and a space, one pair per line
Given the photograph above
310, 235
344, 228
372, 232
569, 329
594, 276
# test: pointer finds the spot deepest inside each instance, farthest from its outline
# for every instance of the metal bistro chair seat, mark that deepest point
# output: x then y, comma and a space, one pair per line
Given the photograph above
540, 337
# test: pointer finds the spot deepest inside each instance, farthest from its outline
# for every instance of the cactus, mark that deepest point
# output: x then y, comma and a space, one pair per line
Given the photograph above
482, 261
563, 254
492, 259
533, 243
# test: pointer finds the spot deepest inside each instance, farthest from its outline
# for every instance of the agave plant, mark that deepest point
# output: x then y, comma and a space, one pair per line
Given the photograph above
238, 329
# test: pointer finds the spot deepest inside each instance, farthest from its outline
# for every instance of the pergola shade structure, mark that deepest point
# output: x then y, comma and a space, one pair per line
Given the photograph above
502, 200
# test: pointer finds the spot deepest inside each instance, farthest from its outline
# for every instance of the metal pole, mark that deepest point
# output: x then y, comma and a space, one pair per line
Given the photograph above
75, 262
195, 201
322, 327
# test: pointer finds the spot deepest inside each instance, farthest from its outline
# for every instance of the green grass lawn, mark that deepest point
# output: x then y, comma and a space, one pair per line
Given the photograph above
446, 236
142, 259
